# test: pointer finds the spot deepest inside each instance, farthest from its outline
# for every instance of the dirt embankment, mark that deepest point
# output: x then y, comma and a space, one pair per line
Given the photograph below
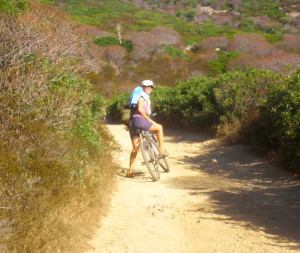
216, 198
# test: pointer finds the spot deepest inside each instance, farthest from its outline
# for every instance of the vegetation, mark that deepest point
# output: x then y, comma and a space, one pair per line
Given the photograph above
13, 7
175, 52
220, 65
261, 8
179, 45
280, 119
109, 40
107, 14
257, 104
54, 153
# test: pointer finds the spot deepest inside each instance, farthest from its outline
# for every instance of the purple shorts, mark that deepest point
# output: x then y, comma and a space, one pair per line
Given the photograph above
138, 122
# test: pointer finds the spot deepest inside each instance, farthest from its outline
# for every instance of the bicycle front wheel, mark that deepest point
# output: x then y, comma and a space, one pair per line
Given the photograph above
150, 159
162, 161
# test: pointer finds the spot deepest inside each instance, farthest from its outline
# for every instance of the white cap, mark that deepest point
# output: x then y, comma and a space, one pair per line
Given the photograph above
148, 83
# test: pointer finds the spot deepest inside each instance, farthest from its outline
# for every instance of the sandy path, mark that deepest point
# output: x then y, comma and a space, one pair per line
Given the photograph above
216, 198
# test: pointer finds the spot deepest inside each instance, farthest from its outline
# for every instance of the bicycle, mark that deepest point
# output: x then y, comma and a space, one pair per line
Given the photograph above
150, 152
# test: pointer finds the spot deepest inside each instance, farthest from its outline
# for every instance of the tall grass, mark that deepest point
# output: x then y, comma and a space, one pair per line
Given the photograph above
54, 154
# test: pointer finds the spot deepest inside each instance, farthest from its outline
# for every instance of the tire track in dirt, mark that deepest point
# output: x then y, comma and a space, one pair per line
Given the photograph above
216, 198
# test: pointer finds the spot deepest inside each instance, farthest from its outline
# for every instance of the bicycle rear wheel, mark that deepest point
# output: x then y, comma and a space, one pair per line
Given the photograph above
162, 161
150, 159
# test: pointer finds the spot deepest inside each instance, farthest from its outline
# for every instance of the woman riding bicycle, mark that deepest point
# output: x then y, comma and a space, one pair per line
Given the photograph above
140, 119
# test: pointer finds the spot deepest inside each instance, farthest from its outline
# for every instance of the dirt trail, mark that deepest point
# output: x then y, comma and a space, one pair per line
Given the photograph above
216, 198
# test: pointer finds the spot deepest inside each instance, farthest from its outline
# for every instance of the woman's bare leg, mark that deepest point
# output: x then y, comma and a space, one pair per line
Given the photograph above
160, 136
133, 154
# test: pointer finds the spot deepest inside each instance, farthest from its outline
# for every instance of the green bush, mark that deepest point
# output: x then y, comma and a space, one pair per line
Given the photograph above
106, 41
190, 13
240, 93
219, 65
127, 44
248, 25
192, 40
116, 105
98, 105
187, 104
208, 29
13, 6
90, 108
109, 40
274, 38
280, 120
175, 52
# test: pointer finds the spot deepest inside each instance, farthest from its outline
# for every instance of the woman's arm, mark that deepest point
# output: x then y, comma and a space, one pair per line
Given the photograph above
142, 111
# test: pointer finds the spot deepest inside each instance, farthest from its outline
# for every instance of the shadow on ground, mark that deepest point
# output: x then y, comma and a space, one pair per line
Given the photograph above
177, 136
244, 189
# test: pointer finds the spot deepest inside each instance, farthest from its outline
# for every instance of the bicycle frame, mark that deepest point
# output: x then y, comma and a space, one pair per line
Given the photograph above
149, 153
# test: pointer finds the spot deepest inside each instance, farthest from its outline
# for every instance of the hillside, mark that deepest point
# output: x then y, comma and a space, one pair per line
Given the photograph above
158, 43
267, 14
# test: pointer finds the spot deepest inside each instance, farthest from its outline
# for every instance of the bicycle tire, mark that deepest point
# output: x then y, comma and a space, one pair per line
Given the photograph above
150, 158
163, 162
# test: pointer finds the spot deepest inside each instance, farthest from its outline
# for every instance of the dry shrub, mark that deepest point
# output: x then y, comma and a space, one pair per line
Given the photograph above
157, 67
93, 31
166, 35
46, 210
222, 19
265, 22
201, 18
253, 44
115, 55
297, 22
51, 33
213, 42
238, 129
206, 55
291, 42
230, 129
39, 47
279, 63
144, 44
49, 171
243, 62
198, 64
235, 3
168, 9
